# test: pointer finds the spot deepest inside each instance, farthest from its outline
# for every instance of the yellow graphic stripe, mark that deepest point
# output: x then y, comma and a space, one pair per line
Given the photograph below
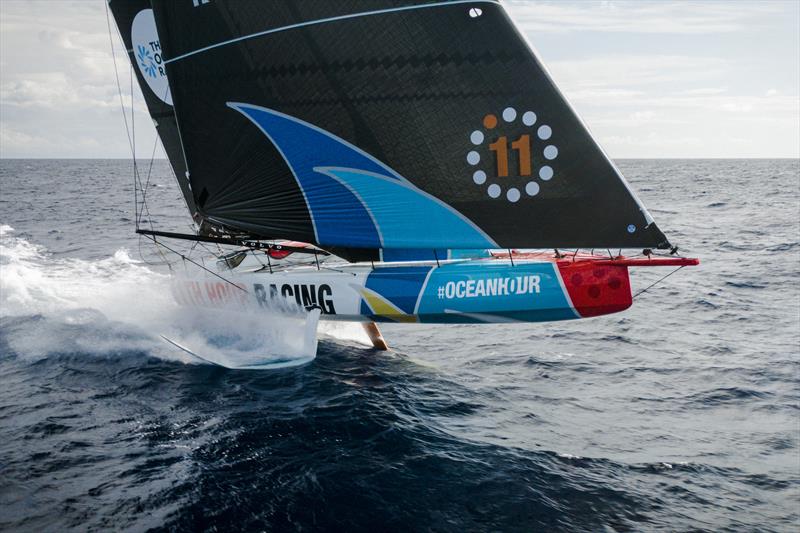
383, 307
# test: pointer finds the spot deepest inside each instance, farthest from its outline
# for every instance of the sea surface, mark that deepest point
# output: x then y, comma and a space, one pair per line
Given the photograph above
679, 414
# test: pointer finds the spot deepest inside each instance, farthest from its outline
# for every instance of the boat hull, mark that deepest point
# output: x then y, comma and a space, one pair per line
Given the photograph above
482, 291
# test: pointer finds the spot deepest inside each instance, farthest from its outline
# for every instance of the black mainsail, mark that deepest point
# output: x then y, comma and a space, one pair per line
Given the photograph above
380, 124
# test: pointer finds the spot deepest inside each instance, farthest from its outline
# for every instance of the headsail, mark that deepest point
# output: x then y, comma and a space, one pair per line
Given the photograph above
137, 28
407, 124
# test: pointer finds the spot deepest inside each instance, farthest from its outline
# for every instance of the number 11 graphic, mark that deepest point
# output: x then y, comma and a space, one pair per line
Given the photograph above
521, 145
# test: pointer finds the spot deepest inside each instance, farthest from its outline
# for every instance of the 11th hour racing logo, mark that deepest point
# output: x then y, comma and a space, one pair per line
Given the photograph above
512, 155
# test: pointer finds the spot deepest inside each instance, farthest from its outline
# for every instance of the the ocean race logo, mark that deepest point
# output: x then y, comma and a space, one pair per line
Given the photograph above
147, 62
147, 54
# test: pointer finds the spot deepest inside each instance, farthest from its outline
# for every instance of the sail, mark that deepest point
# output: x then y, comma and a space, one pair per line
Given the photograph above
136, 25
390, 124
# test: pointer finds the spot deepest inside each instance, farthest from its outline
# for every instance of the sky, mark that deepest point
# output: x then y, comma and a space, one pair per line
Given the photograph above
651, 79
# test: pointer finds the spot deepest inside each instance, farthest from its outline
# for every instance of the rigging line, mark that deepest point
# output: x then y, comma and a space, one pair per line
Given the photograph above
133, 125
164, 260
145, 207
339, 270
164, 152
208, 250
657, 282
132, 142
180, 141
157, 243
147, 183
116, 74
137, 178
135, 201
175, 176
124, 114
217, 254
163, 257
191, 249
257, 259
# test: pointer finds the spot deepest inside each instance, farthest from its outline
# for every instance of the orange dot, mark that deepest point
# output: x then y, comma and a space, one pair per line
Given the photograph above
489, 122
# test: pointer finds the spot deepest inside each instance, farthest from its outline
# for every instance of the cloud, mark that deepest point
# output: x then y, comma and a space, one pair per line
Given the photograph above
637, 17
58, 92
630, 70
629, 91
654, 139
14, 140
764, 105
706, 91
53, 90
15, 143
664, 79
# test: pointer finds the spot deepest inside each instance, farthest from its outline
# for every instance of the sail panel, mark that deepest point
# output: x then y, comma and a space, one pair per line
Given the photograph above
464, 140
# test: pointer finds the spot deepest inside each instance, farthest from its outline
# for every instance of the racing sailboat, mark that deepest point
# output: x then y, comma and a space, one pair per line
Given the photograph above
423, 142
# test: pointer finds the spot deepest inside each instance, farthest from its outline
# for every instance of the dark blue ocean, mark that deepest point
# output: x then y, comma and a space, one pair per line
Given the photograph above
680, 414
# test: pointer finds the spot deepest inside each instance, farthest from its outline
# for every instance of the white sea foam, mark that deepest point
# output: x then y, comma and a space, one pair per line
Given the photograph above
118, 305
345, 331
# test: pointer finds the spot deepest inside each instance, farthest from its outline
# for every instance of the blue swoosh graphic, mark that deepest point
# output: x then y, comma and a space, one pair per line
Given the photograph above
355, 199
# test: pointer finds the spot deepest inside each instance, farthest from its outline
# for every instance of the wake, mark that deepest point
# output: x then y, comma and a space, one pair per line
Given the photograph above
117, 306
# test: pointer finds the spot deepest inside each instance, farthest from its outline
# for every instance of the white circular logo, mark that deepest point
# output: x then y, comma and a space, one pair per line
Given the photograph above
147, 54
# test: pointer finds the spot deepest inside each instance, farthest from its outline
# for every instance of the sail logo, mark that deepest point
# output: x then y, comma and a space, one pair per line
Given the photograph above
150, 63
476, 288
518, 150
147, 51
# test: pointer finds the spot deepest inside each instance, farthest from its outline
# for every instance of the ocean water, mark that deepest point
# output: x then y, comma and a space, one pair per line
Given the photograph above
682, 413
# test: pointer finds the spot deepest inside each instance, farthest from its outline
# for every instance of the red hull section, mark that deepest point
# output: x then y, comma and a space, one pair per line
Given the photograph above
596, 289
600, 285
597, 284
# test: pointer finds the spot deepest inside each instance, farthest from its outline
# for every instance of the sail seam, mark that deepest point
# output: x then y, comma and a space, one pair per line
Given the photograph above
324, 21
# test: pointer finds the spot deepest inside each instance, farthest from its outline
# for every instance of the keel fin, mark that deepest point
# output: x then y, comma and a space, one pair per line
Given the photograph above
378, 342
